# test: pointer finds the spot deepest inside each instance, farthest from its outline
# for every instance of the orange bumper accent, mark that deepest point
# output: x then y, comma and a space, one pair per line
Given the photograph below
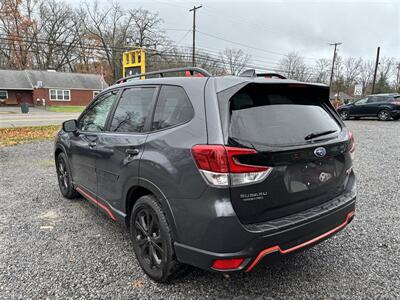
302, 245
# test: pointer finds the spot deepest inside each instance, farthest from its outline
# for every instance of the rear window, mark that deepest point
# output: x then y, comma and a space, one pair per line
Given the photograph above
279, 115
173, 108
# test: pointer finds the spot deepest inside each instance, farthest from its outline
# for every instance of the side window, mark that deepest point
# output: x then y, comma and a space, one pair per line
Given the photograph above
133, 109
173, 108
384, 99
361, 101
374, 99
94, 118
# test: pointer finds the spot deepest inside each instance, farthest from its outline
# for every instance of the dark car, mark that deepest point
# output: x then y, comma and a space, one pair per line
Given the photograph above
220, 173
382, 106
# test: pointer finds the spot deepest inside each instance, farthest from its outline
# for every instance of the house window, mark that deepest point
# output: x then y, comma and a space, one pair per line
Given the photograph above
60, 95
3, 95
95, 93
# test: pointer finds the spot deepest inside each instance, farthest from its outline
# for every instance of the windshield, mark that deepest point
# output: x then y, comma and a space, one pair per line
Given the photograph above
279, 115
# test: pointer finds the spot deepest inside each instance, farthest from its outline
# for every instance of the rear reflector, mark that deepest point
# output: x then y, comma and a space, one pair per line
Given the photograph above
220, 165
227, 264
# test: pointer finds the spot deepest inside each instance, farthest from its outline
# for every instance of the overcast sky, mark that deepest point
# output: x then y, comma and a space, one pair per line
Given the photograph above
272, 28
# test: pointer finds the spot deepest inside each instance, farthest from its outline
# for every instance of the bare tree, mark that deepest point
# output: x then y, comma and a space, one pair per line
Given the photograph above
352, 68
58, 36
234, 60
366, 74
294, 67
146, 29
110, 26
322, 70
384, 74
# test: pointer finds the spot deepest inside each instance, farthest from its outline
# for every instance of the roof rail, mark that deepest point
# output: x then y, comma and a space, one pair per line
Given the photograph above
161, 73
252, 73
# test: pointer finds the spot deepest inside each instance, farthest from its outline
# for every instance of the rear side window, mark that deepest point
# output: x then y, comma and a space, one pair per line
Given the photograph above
133, 110
173, 108
279, 115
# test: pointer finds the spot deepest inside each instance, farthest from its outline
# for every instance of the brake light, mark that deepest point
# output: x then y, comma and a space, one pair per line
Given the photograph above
227, 264
220, 165
396, 102
352, 144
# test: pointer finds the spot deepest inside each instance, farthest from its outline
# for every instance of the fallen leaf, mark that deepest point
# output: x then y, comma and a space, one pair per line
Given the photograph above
137, 283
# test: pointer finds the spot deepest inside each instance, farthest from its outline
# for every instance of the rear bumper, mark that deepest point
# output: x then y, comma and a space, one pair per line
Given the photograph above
279, 237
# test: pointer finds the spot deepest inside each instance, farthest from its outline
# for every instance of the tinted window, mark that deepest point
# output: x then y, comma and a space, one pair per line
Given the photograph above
94, 118
133, 109
173, 107
383, 99
278, 115
361, 101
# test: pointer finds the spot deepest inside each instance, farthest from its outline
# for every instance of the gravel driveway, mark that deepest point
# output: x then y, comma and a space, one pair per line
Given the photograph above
54, 248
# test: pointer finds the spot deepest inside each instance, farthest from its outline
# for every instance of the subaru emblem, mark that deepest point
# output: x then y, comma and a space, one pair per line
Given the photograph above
320, 152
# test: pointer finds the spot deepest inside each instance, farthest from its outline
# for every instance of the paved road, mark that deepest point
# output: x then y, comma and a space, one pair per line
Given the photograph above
54, 248
12, 117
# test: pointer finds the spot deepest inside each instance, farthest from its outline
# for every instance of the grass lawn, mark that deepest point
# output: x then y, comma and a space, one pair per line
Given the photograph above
19, 135
66, 108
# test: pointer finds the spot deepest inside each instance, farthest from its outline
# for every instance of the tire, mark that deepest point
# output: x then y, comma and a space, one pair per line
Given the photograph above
344, 114
153, 243
64, 177
384, 115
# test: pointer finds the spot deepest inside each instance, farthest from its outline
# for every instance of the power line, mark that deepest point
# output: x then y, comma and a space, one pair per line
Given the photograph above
168, 53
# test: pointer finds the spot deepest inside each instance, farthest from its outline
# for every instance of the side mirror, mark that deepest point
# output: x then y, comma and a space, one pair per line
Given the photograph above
70, 126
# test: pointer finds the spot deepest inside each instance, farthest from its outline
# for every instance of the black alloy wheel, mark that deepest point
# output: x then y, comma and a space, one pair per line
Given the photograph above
148, 238
64, 177
152, 240
384, 115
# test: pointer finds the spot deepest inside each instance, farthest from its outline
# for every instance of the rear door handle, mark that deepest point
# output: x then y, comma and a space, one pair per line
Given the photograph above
92, 144
132, 152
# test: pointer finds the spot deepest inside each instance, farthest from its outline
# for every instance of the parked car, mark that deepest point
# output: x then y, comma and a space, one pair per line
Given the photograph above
220, 173
382, 106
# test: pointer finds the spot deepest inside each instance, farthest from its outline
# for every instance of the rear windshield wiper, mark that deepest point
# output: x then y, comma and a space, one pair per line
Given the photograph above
318, 134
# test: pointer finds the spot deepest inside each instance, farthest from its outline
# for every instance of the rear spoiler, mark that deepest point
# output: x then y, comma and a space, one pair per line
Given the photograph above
252, 73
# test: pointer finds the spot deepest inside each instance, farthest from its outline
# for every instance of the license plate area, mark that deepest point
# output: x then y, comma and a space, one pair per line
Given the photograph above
304, 176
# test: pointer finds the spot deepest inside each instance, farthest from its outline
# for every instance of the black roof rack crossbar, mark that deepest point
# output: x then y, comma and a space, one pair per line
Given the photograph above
162, 72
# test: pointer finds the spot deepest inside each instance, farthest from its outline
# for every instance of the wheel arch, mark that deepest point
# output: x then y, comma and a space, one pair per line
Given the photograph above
146, 187
58, 149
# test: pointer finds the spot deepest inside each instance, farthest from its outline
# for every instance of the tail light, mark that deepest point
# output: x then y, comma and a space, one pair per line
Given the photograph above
396, 102
352, 144
220, 165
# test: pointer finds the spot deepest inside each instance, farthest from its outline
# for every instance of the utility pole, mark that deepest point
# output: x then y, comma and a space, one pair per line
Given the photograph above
194, 33
398, 77
376, 69
333, 64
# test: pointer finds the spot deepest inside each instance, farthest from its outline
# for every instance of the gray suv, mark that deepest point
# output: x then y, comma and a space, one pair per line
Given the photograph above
221, 173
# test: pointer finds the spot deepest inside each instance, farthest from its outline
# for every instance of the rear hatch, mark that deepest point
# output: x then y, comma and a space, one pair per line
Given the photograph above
297, 134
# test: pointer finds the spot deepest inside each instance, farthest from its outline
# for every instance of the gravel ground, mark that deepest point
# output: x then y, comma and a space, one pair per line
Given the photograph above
54, 248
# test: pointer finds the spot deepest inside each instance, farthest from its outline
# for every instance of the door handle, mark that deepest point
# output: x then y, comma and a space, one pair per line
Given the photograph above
132, 152
92, 144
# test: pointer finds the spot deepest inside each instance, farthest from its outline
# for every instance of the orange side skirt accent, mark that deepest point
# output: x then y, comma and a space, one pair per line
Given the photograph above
96, 202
